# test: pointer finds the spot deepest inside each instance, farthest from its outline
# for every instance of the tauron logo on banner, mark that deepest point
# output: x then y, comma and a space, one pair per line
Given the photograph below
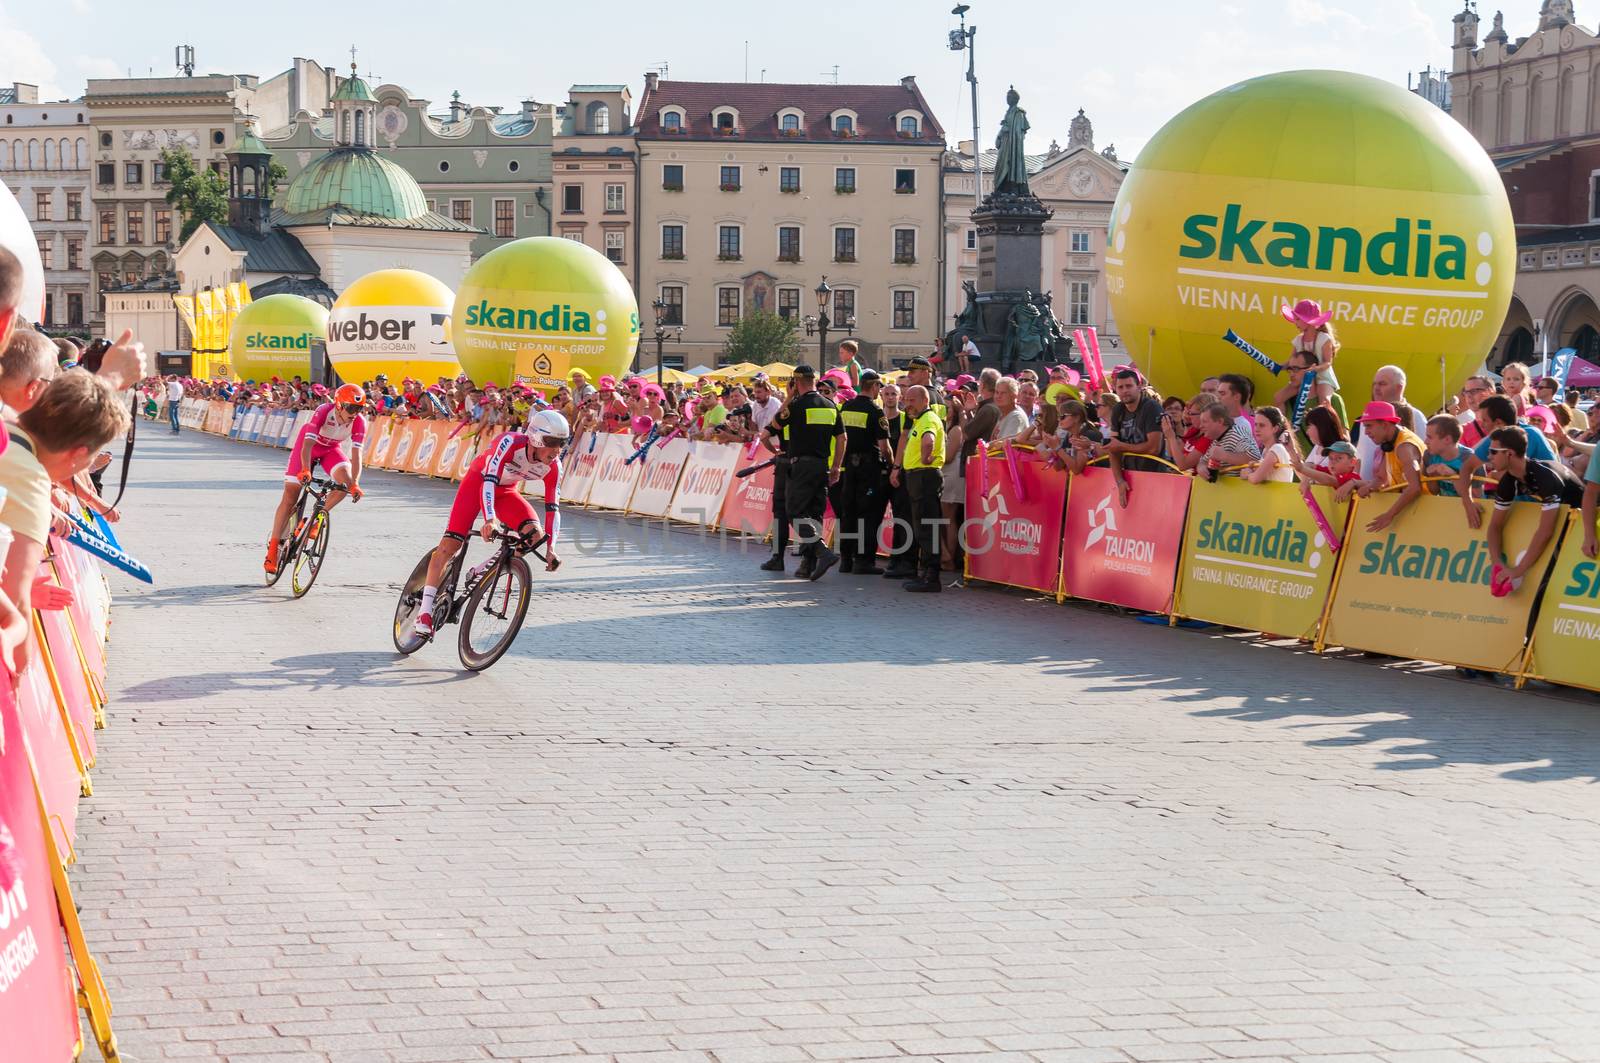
758, 493
1018, 535
1102, 530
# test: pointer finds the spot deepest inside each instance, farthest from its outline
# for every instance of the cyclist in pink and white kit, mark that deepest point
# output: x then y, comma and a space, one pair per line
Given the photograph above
490, 490
322, 442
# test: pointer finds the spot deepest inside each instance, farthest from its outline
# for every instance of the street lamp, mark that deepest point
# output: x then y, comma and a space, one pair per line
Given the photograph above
662, 330
961, 40
823, 291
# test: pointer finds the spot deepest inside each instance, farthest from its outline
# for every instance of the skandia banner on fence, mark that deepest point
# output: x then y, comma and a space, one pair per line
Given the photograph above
1420, 588
1566, 639
1126, 557
663, 464
1254, 558
706, 480
1013, 530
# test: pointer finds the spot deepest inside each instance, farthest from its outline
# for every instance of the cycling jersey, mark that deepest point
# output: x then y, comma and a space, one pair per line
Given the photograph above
329, 431
489, 489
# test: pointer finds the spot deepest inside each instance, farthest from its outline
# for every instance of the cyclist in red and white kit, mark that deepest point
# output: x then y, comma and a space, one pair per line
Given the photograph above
489, 490
322, 442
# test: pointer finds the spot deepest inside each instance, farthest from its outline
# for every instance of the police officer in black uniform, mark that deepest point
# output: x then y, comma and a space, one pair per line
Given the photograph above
817, 448
861, 499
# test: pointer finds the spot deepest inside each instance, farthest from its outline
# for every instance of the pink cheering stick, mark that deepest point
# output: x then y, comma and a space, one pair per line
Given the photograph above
1094, 345
982, 454
1090, 364
1322, 521
1016, 473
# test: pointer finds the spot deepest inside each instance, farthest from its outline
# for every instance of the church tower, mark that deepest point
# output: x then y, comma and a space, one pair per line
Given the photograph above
249, 180
355, 112
1080, 133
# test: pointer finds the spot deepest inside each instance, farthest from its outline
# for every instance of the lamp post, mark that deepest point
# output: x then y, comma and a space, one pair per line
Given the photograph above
663, 330
961, 40
823, 291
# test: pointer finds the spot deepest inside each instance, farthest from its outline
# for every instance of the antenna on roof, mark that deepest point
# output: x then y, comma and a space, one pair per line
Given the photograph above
834, 74
747, 60
661, 68
183, 58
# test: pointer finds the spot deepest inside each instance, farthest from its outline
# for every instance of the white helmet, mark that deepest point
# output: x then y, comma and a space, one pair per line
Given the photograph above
548, 429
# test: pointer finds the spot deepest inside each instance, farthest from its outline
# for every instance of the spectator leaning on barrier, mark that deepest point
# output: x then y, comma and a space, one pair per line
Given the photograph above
1271, 435
1135, 428
1013, 421
1548, 483
1233, 442
27, 365
1188, 450
1235, 390
1446, 457
1401, 453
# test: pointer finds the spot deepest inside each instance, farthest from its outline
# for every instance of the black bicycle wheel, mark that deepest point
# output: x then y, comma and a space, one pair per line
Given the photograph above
406, 640
286, 545
494, 614
310, 551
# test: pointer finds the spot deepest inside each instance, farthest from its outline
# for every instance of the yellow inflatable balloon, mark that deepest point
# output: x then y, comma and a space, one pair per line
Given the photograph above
1312, 185
537, 308
394, 321
272, 337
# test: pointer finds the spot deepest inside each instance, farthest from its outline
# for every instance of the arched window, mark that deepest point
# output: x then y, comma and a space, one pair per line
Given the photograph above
790, 122
599, 118
346, 136
908, 126
33, 154
844, 124
5, 154
672, 120
725, 120
361, 127
49, 155
80, 160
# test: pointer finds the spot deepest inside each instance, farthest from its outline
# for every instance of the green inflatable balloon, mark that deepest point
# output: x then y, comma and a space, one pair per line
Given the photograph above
272, 337
535, 309
1316, 186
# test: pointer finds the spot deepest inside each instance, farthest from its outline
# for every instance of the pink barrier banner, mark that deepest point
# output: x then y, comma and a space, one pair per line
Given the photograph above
615, 478
663, 464
1014, 537
748, 507
44, 731
1126, 557
579, 468
38, 1007
707, 479
71, 576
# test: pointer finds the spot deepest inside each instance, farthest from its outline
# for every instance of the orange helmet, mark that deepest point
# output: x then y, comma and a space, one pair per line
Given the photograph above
349, 395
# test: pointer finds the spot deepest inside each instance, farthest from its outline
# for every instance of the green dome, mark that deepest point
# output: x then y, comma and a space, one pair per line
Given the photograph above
358, 180
355, 89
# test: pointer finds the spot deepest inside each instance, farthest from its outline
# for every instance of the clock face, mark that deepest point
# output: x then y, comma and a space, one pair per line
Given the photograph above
1081, 182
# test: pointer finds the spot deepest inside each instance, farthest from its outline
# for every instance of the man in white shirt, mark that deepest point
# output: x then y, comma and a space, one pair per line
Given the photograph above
969, 355
174, 397
1388, 385
764, 405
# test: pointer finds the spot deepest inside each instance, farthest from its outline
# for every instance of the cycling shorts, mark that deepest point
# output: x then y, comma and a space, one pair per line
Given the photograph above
510, 507
328, 455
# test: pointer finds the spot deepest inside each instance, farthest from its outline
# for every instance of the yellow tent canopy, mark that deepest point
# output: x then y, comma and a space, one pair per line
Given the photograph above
731, 372
668, 375
779, 372
893, 377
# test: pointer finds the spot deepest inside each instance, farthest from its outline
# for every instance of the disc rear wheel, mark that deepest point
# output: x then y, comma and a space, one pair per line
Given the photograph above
406, 640
494, 613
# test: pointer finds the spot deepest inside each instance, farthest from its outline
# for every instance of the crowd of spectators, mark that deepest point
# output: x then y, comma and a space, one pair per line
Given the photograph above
62, 405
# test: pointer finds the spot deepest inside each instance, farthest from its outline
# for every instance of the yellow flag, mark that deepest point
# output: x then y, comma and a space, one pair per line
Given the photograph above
185, 305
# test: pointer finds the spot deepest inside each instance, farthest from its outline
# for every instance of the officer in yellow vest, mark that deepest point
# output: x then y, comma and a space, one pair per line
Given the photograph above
816, 451
921, 461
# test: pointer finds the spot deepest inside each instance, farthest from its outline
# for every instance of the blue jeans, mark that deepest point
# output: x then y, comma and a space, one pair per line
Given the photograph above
172, 411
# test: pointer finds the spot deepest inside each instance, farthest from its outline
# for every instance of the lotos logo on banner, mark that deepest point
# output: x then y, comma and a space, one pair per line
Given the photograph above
1017, 538
544, 296
1254, 558
1127, 557
1421, 588
1397, 223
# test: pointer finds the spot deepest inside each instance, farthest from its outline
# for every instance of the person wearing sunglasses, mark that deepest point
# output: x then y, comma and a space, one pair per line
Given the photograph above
1549, 484
322, 442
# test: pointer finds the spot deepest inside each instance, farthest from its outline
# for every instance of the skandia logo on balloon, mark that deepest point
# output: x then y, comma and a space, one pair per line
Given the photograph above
270, 341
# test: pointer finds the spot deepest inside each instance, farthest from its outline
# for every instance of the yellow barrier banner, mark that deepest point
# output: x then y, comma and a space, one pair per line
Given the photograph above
1419, 589
1566, 637
1254, 558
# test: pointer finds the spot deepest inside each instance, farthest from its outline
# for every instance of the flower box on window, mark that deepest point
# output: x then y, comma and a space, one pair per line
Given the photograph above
729, 186
845, 134
790, 191
844, 256
672, 130
672, 188
788, 258
905, 190
791, 132
905, 260
727, 131
672, 256
845, 190
729, 258
910, 134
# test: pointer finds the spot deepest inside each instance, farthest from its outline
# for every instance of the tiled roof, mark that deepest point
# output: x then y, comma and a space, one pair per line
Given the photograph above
1560, 234
964, 162
311, 288
164, 282
274, 251
598, 88
758, 105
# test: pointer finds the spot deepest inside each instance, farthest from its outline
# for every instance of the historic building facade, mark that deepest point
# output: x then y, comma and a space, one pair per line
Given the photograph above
1534, 105
44, 160
1080, 185
594, 174
476, 165
133, 231
751, 194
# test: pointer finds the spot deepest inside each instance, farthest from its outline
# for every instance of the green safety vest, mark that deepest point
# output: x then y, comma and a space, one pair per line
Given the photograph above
928, 422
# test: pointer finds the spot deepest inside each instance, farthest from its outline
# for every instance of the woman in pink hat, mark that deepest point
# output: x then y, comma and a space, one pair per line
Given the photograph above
1317, 339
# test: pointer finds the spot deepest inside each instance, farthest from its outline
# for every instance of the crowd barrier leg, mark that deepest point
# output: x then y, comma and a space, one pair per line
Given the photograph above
91, 993
75, 739
1338, 573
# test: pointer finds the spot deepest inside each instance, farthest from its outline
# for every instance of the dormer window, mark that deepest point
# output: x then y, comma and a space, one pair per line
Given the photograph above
908, 126
725, 120
844, 124
599, 118
672, 121
789, 123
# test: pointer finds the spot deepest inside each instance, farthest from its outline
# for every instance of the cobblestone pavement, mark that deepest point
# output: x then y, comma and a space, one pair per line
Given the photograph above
701, 813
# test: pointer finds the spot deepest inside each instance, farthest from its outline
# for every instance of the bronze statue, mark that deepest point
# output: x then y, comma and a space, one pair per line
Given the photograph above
1010, 160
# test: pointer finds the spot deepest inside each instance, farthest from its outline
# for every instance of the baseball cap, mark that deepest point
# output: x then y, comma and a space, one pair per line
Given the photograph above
918, 362
1341, 446
870, 376
805, 370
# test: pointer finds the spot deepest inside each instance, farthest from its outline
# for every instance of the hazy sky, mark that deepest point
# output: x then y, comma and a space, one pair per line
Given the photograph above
1129, 65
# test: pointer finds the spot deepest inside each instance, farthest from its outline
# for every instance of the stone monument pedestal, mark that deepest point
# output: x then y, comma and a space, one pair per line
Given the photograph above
1010, 241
